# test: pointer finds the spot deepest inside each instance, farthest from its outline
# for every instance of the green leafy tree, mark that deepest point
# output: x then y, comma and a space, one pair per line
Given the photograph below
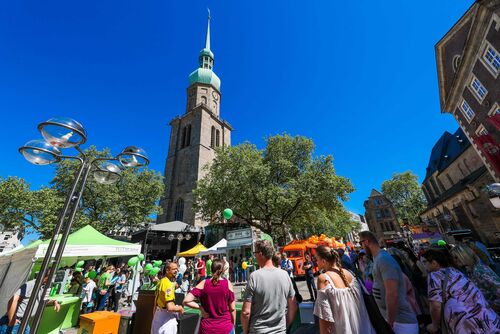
405, 193
280, 189
132, 201
22, 208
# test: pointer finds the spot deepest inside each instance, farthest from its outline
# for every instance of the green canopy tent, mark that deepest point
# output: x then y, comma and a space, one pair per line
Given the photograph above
85, 244
88, 243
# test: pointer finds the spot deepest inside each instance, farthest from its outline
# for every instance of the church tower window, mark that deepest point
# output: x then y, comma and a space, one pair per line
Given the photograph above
186, 136
217, 138
179, 209
183, 138
204, 100
212, 137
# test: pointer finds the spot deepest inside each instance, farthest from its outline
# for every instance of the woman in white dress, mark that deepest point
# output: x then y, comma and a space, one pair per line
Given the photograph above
340, 306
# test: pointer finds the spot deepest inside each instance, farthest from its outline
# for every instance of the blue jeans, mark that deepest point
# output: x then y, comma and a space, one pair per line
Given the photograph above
101, 301
4, 329
244, 275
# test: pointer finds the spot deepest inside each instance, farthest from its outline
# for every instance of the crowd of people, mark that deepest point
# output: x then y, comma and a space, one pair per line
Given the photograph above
104, 288
439, 288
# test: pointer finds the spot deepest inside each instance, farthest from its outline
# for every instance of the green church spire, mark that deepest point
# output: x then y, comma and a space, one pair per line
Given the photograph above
204, 74
206, 56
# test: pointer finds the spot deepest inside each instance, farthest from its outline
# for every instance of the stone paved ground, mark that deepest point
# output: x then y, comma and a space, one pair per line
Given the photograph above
237, 290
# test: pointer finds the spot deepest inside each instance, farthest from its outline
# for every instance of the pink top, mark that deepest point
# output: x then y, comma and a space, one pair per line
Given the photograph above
215, 300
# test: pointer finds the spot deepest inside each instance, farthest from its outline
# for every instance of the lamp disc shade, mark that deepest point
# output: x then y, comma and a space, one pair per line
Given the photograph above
40, 152
133, 156
63, 132
107, 173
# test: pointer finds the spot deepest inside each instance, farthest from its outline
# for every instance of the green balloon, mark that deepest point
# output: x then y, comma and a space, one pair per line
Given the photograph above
227, 213
441, 243
79, 269
154, 271
133, 261
92, 274
80, 263
156, 264
141, 257
148, 267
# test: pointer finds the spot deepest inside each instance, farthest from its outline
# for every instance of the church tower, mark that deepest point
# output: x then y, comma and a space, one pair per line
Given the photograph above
193, 139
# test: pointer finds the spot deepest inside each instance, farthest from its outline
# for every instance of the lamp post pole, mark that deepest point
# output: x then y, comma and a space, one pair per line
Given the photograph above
67, 133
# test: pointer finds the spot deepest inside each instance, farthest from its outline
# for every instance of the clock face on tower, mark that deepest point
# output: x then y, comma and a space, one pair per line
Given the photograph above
215, 96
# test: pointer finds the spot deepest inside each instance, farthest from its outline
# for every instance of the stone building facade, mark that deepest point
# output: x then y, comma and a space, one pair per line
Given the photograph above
453, 186
194, 137
468, 62
381, 218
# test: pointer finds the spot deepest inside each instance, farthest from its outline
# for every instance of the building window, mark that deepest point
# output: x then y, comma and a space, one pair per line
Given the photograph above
481, 130
217, 138
478, 89
387, 214
378, 214
495, 110
183, 138
179, 209
186, 136
491, 58
212, 137
467, 110
204, 100
377, 201
449, 180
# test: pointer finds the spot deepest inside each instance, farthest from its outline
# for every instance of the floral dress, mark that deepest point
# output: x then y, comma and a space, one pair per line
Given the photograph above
489, 283
466, 310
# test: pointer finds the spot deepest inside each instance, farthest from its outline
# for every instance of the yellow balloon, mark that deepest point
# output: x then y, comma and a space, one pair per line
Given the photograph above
244, 265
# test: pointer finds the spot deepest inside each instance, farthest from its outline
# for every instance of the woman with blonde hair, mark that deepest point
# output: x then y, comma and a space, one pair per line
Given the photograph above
481, 275
216, 299
340, 305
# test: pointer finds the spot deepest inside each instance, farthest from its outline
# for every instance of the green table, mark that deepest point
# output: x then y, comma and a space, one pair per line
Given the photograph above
239, 329
52, 322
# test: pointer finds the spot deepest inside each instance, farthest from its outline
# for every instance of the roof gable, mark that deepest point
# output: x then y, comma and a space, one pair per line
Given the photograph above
446, 150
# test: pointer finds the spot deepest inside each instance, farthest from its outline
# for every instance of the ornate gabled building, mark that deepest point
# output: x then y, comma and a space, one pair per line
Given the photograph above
453, 185
194, 137
382, 219
468, 63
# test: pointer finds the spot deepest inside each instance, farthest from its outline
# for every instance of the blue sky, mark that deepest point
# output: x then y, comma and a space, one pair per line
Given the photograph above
358, 77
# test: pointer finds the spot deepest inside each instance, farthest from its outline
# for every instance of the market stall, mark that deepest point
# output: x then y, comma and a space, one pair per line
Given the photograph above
193, 251
218, 248
85, 244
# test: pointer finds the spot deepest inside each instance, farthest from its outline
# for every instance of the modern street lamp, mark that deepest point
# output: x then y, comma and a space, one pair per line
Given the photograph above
61, 133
